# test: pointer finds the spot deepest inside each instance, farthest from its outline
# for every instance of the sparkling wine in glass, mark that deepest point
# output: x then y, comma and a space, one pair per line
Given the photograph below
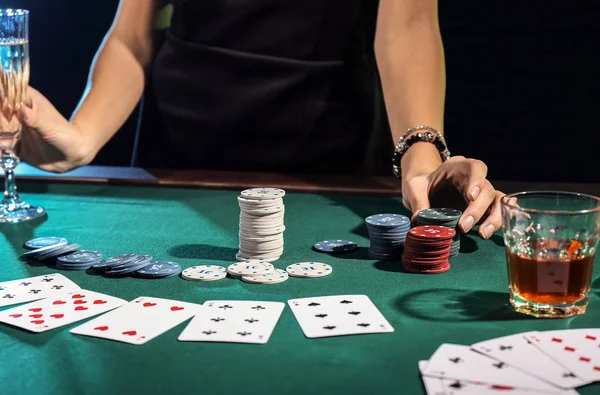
14, 79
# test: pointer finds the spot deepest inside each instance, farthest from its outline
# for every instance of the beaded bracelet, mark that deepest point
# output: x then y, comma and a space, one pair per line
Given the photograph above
430, 136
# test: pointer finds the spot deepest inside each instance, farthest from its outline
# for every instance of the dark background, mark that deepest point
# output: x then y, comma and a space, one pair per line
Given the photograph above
522, 79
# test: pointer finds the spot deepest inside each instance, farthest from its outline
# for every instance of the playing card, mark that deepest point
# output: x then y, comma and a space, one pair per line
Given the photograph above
520, 353
459, 362
234, 321
139, 321
59, 310
576, 349
440, 386
338, 315
34, 288
433, 385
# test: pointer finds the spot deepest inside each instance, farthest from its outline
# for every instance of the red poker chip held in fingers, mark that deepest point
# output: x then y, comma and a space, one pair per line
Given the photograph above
427, 249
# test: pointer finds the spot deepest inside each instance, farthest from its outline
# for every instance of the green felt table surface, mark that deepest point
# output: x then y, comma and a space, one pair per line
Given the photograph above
191, 226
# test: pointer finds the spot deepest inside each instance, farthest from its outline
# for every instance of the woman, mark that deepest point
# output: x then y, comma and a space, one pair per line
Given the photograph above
271, 85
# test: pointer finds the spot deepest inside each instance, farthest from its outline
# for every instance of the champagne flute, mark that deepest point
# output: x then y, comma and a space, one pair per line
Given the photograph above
14, 80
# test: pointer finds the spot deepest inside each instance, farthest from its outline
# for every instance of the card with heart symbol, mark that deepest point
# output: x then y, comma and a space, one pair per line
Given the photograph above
139, 321
59, 310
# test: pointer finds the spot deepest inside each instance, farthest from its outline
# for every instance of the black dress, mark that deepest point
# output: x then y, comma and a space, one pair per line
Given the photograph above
269, 85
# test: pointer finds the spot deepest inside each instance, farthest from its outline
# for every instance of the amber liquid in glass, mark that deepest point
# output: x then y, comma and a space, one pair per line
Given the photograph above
550, 280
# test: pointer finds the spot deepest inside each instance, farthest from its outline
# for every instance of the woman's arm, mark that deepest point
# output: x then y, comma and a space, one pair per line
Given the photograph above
117, 76
410, 57
114, 88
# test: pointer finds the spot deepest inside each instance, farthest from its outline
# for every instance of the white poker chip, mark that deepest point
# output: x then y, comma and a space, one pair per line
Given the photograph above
264, 255
263, 193
204, 273
242, 200
243, 258
309, 269
275, 277
261, 224
248, 269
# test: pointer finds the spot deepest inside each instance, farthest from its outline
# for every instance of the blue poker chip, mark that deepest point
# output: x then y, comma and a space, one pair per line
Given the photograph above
83, 256
41, 242
54, 251
387, 234
159, 269
114, 261
80, 267
333, 246
387, 220
136, 264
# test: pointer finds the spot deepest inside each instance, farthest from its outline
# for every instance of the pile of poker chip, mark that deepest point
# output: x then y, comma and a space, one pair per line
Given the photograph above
427, 249
447, 217
387, 233
256, 271
261, 224
335, 246
65, 256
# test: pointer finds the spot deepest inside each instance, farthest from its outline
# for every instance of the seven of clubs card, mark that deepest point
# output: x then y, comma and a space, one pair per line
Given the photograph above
338, 316
139, 321
59, 310
234, 321
34, 288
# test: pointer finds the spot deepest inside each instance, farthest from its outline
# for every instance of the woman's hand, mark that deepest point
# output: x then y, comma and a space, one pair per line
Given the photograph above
49, 141
468, 177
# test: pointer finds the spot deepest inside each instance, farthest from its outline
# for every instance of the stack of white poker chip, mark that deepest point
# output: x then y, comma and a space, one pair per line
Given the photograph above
256, 271
261, 224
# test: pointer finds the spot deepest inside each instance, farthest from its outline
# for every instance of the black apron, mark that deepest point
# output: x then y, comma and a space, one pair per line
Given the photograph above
269, 85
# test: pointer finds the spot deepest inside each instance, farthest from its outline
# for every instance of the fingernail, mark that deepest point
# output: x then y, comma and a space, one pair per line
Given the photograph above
488, 231
475, 192
468, 223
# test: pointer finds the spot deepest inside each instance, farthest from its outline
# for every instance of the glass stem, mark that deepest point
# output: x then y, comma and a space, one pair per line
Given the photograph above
9, 162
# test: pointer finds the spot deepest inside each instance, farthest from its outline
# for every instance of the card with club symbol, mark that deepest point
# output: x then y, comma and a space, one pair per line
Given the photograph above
140, 321
234, 321
338, 316
34, 288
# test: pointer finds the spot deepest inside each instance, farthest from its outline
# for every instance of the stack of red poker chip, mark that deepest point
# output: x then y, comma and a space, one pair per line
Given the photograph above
427, 249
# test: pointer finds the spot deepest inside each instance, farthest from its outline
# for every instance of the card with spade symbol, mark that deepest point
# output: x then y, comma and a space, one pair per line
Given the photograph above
234, 321
338, 316
522, 353
60, 310
34, 288
463, 364
139, 321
